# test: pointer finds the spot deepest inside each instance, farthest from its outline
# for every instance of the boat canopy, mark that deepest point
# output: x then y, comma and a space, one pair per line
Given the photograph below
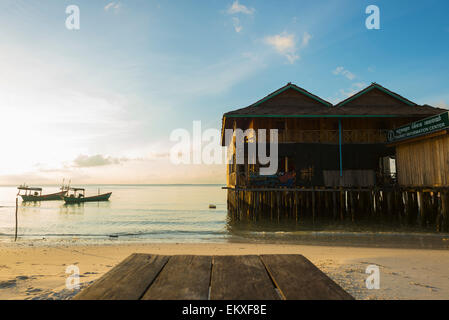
77, 189
29, 188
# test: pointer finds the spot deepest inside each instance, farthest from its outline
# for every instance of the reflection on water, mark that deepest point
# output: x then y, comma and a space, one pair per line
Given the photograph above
78, 208
180, 213
337, 234
141, 213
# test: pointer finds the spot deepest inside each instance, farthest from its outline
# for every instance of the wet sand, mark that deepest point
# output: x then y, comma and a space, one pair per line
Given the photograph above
39, 272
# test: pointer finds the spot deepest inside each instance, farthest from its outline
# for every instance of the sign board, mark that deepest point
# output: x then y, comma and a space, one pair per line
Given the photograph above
419, 128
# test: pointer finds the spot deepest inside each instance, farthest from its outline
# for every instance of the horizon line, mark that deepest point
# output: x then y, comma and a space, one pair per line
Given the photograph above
125, 184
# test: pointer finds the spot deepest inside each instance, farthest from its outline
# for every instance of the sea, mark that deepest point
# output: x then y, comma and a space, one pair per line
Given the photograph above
177, 214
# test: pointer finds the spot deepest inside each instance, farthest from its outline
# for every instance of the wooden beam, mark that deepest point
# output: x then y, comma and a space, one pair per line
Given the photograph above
127, 281
299, 279
183, 278
241, 278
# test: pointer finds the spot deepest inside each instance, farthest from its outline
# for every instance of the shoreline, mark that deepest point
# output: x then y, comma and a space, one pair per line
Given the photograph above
38, 272
365, 239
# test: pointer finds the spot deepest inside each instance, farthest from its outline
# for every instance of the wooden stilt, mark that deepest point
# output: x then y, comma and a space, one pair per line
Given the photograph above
296, 207
313, 206
278, 204
342, 203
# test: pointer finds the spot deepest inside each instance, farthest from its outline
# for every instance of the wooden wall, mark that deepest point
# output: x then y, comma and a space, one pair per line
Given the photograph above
313, 143
325, 130
424, 162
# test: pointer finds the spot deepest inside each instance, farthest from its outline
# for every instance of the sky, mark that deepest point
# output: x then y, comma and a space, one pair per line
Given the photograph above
98, 104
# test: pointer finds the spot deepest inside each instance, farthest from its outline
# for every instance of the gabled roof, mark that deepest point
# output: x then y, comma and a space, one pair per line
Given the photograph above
376, 100
291, 101
294, 87
283, 102
373, 101
379, 87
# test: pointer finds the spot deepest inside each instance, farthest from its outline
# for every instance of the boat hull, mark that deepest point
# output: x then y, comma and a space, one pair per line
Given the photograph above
100, 197
45, 197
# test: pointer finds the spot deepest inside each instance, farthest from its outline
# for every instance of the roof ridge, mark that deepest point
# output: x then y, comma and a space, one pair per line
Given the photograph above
290, 85
369, 88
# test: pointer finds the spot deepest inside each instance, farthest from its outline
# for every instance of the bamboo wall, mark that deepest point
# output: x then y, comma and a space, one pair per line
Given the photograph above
424, 162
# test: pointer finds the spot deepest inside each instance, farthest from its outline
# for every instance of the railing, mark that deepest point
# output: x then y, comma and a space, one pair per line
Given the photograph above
332, 136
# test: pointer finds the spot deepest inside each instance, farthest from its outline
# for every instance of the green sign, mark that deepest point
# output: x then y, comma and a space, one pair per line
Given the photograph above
419, 128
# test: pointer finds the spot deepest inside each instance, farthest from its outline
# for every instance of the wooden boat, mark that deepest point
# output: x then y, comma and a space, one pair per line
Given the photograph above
77, 196
35, 194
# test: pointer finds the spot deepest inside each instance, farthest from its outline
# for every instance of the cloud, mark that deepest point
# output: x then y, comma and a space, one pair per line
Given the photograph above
306, 39
284, 44
237, 26
346, 73
359, 85
353, 89
442, 104
236, 7
85, 161
112, 5
338, 70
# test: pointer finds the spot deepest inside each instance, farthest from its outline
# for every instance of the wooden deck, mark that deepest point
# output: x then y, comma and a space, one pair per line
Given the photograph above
252, 277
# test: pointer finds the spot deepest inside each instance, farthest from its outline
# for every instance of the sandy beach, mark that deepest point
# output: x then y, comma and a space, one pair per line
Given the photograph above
39, 272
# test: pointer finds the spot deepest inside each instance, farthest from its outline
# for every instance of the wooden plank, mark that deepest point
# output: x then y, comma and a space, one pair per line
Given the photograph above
127, 281
299, 279
183, 278
241, 278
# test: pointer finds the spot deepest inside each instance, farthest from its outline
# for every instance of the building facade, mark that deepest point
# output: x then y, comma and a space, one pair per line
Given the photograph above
321, 144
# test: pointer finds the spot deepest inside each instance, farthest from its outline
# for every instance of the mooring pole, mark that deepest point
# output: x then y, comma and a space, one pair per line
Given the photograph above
17, 206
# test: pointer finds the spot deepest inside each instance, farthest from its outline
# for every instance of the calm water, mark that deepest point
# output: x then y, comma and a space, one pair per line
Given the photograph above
156, 212
177, 213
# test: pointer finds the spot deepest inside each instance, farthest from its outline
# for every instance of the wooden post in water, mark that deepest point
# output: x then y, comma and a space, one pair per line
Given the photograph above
296, 206
237, 197
408, 206
401, 203
426, 198
351, 204
445, 211
313, 205
439, 211
334, 205
341, 203
17, 222
371, 202
420, 208
386, 200
436, 209
278, 203
257, 204
326, 203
